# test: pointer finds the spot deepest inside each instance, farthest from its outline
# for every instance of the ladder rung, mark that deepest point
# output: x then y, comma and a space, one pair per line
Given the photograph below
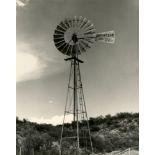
75, 113
73, 88
69, 137
84, 129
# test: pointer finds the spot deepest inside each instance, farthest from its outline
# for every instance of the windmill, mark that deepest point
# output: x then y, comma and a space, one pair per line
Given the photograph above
72, 37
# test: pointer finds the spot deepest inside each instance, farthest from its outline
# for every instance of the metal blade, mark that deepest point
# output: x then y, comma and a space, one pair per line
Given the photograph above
59, 27
68, 52
85, 45
79, 21
57, 40
63, 25
91, 26
58, 36
66, 23
60, 45
59, 32
70, 22
92, 31
83, 23
82, 47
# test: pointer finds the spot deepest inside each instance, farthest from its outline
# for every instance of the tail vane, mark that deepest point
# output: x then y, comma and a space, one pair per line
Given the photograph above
106, 37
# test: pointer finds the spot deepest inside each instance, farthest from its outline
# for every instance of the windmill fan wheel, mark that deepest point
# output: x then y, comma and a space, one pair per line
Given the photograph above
74, 35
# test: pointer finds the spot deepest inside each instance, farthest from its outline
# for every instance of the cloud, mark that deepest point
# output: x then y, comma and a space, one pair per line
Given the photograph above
21, 3
28, 66
55, 120
32, 64
51, 101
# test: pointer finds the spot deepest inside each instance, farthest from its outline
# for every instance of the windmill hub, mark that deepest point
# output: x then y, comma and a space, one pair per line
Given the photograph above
74, 38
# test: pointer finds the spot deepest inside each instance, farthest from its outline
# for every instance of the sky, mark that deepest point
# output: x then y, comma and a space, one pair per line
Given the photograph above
109, 72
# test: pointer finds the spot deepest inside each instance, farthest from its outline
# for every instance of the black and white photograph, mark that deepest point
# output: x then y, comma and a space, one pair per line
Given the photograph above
77, 77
